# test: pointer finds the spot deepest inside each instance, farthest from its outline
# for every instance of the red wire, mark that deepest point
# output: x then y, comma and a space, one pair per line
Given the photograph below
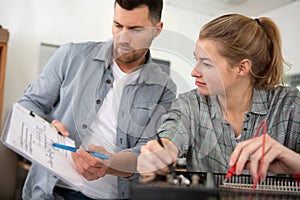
230, 172
263, 123
232, 169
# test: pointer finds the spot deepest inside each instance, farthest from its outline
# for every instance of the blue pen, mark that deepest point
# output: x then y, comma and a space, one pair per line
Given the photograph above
73, 149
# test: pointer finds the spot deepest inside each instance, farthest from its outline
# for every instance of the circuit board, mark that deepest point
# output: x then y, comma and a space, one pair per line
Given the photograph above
202, 185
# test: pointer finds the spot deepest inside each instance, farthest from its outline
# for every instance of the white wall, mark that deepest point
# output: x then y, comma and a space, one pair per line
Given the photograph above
31, 22
287, 19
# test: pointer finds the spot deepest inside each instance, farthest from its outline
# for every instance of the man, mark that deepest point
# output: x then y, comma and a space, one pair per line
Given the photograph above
107, 97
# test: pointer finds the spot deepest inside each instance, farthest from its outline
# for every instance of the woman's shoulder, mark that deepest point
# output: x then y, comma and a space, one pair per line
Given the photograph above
284, 94
285, 91
194, 100
191, 95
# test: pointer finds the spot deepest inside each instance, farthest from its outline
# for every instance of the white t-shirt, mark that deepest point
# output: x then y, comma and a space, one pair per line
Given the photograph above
102, 132
238, 138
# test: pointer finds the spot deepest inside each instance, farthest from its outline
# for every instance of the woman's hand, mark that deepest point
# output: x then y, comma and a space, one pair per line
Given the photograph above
154, 159
277, 158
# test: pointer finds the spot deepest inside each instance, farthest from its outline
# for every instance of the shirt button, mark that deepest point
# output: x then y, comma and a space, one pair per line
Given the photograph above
245, 129
98, 101
84, 126
108, 81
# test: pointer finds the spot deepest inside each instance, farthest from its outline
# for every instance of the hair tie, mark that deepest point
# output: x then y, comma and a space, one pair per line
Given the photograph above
257, 20
263, 28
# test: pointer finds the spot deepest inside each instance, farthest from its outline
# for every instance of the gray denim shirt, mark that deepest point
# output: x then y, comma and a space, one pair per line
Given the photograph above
72, 88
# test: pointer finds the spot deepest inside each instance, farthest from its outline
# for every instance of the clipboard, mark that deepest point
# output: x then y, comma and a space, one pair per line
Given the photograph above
32, 137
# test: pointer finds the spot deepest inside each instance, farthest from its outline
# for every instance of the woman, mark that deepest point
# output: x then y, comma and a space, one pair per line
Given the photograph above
238, 75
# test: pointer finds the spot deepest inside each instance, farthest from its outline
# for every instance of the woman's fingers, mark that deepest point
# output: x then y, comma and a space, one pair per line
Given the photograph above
150, 160
264, 153
242, 153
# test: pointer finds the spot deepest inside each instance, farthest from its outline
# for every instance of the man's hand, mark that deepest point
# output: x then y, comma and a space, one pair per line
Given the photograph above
89, 166
60, 127
119, 164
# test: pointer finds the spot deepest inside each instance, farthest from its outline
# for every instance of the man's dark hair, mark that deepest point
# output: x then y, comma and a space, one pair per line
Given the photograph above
154, 6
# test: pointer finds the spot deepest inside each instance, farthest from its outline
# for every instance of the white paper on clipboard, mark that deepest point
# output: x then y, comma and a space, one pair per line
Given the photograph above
32, 137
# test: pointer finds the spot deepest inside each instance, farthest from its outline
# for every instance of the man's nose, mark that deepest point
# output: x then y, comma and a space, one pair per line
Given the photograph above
125, 36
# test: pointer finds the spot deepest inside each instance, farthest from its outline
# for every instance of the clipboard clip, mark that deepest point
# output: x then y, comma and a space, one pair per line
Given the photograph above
34, 115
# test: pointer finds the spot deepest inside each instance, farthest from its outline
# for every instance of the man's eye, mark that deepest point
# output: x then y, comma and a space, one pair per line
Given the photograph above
136, 30
118, 26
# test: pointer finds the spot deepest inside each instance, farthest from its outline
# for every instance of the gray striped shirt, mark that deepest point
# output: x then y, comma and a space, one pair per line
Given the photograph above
196, 126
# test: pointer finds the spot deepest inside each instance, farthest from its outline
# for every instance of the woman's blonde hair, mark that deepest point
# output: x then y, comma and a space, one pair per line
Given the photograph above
258, 40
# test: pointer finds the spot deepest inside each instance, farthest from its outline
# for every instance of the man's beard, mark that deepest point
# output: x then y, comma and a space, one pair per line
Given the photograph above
129, 57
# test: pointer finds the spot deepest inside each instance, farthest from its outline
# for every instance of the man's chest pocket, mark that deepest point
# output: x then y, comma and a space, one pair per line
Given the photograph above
141, 112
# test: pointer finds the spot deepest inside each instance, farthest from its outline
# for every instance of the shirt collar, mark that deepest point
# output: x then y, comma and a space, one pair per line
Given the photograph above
215, 107
259, 104
105, 53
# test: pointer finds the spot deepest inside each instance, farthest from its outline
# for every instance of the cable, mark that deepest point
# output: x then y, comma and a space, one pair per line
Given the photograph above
232, 169
263, 123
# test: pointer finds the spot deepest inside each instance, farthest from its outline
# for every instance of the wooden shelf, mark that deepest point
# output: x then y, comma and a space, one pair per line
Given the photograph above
4, 35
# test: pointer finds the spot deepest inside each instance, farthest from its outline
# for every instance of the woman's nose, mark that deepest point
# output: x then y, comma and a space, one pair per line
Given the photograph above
196, 72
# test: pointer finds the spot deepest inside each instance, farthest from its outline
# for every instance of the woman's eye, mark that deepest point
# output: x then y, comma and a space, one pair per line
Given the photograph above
202, 62
207, 64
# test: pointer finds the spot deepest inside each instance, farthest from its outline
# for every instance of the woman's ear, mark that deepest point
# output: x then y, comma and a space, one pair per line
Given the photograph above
244, 67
